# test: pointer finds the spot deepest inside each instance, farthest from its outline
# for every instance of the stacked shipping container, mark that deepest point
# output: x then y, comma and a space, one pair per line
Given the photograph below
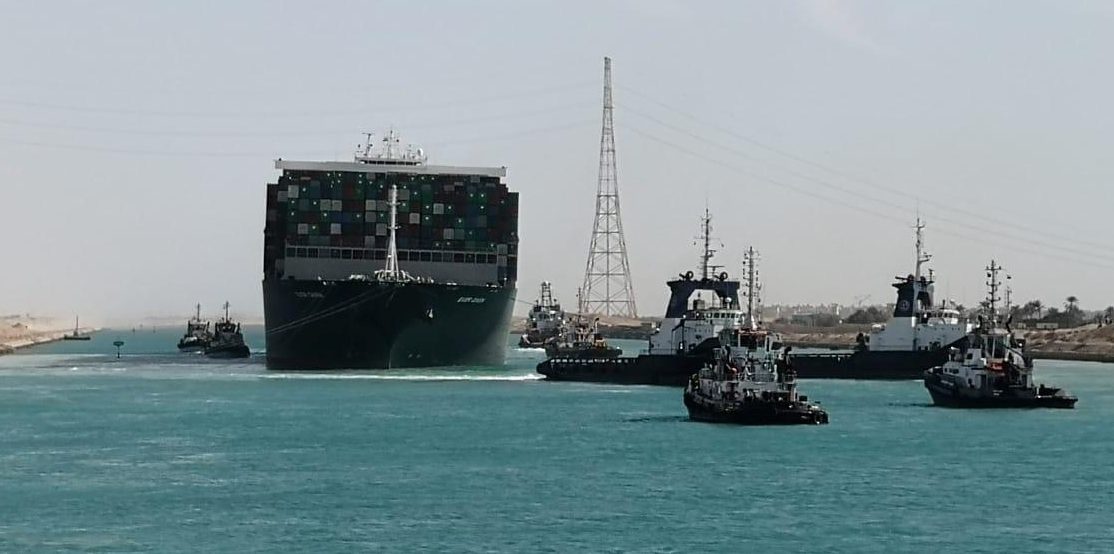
444, 218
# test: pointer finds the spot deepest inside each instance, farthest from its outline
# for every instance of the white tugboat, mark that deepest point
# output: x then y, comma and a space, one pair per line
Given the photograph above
545, 320
751, 381
917, 336
991, 369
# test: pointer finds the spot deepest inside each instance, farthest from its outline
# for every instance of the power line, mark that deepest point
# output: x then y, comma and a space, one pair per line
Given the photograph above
812, 194
322, 113
271, 154
852, 178
1103, 253
337, 132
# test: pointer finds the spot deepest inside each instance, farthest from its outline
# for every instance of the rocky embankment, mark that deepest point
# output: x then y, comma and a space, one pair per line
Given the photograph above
1089, 343
18, 336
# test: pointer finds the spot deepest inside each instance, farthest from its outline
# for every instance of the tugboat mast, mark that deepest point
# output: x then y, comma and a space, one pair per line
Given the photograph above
706, 268
922, 256
226, 306
750, 259
993, 284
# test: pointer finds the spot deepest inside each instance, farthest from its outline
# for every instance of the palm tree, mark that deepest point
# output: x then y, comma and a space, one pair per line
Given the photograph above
1072, 301
1038, 307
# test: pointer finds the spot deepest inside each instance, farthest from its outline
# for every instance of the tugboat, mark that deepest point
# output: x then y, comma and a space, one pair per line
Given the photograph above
684, 342
917, 337
197, 335
751, 381
991, 371
76, 332
545, 320
582, 341
228, 341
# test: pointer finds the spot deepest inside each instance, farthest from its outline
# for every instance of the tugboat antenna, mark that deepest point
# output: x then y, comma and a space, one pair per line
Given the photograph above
198, 311
750, 321
226, 306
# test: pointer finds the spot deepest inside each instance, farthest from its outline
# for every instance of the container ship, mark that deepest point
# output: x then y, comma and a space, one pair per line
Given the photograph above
387, 262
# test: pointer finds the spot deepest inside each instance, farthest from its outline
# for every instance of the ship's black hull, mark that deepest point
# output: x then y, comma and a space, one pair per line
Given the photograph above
947, 397
868, 365
754, 413
316, 325
646, 369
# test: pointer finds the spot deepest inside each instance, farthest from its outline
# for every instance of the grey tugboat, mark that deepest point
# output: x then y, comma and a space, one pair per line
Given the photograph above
228, 340
581, 341
197, 336
751, 381
991, 370
545, 320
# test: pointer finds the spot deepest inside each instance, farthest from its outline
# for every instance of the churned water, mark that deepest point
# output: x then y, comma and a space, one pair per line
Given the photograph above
167, 452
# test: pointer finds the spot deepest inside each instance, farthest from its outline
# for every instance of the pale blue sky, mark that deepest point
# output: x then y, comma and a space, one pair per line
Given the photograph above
137, 137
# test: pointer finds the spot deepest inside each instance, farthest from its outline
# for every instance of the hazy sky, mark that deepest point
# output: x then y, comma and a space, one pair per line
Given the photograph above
136, 138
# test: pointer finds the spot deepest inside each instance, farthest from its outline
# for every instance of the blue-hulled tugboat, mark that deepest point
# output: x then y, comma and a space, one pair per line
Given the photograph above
751, 381
991, 370
228, 340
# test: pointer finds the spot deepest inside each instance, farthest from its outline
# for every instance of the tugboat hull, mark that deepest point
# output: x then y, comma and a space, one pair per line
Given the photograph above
949, 397
647, 369
868, 365
227, 352
754, 413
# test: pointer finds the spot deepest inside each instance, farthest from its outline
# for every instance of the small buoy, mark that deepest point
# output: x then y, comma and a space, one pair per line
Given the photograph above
118, 344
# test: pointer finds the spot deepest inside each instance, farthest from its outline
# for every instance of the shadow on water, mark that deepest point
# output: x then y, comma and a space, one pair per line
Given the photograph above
657, 419
911, 404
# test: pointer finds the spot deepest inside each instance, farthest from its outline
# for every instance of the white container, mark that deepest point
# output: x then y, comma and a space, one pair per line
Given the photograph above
448, 234
303, 228
369, 205
334, 228
438, 209
292, 191
338, 205
415, 219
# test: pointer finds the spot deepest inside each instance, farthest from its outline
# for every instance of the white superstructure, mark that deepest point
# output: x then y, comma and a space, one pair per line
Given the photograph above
917, 324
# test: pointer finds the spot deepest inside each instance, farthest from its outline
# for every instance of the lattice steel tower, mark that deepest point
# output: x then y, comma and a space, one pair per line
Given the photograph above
607, 282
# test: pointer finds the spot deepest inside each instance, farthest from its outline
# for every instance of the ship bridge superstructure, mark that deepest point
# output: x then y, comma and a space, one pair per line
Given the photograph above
918, 323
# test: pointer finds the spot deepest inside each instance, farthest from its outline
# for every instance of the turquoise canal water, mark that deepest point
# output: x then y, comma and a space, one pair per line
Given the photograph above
166, 452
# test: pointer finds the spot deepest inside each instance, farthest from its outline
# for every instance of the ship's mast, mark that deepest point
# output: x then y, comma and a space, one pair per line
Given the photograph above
547, 294
993, 284
226, 306
922, 256
750, 260
198, 317
392, 226
706, 253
